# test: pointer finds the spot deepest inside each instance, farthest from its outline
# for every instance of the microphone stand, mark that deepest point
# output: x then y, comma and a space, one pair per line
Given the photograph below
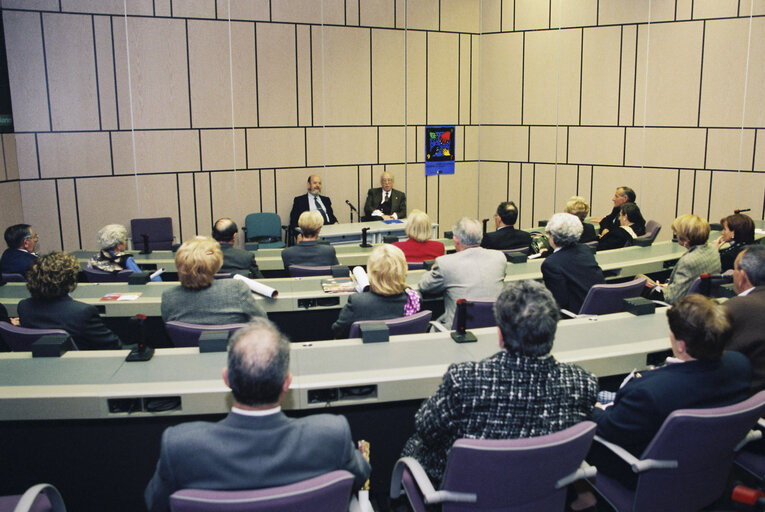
353, 209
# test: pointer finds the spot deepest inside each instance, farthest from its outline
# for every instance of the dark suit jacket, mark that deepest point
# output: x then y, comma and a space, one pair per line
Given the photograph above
300, 205
310, 253
16, 261
611, 222
588, 233
239, 261
246, 452
506, 238
368, 306
78, 319
397, 202
748, 336
569, 274
615, 239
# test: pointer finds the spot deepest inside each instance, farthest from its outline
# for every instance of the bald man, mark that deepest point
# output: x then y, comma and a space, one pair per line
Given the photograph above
312, 201
235, 260
385, 202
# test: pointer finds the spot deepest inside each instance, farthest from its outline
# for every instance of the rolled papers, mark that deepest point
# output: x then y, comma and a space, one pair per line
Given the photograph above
257, 287
362, 281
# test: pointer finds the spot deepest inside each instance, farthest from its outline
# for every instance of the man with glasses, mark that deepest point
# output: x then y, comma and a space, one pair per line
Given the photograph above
385, 202
20, 254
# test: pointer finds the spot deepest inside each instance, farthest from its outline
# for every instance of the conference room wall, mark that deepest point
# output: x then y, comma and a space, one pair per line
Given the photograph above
505, 72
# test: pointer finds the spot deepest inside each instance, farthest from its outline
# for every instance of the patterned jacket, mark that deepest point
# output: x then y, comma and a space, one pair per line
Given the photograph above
501, 397
698, 260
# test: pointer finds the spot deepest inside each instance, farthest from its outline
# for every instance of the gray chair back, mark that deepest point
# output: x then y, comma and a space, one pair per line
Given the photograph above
480, 313
652, 229
184, 334
413, 324
603, 299
96, 275
709, 284
159, 230
13, 278
305, 270
20, 339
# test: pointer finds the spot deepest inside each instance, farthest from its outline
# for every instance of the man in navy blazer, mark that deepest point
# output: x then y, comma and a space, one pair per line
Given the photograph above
256, 445
19, 255
314, 201
506, 236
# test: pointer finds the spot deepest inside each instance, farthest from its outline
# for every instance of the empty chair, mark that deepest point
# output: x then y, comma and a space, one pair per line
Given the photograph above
94, 275
413, 324
480, 313
13, 278
159, 231
652, 229
265, 229
604, 299
20, 339
305, 271
686, 465
534, 473
326, 493
709, 285
184, 334
38, 498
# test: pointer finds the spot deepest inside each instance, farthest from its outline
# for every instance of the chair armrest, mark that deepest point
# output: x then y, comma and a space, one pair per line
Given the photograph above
584, 471
566, 312
360, 503
752, 435
29, 497
637, 465
661, 303
761, 422
438, 326
429, 494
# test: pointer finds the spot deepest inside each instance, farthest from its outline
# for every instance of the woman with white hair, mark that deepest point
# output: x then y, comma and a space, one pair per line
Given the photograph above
112, 239
571, 270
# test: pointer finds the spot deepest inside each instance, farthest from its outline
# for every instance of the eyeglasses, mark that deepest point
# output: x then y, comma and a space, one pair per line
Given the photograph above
32, 237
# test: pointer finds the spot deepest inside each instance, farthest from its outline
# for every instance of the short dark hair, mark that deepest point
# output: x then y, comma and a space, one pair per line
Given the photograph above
258, 363
224, 230
53, 275
752, 263
16, 234
632, 211
527, 316
702, 324
508, 212
742, 227
626, 191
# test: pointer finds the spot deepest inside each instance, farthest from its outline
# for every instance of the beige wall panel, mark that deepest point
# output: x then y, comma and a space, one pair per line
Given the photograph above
71, 71
328, 12
420, 14
574, 13
584, 187
392, 144
26, 71
41, 5
616, 12
222, 149
500, 84
234, 195
543, 144
268, 198
162, 7
74, 154
413, 134
701, 193
492, 189
551, 77
193, 8
683, 10
276, 74
725, 72
377, 13
525, 200
458, 194
459, 135
351, 13
733, 190
553, 185
3, 171
674, 70
601, 146
388, 77
758, 8
26, 156
730, 149
665, 147
134, 7
368, 177
715, 8
158, 73
508, 15
416, 69
461, 16
341, 76
532, 14
684, 193
465, 78
305, 108
503, 143
187, 224
627, 86
345, 186
410, 179
759, 152
38, 199
105, 62
443, 82
202, 195
10, 197
491, 16
70, 223
156, 151
476, 77
276, 147
256, 10
600, 75
9, 156
341, 146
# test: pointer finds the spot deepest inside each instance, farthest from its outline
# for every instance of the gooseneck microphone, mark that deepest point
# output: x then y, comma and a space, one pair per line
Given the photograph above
353, 208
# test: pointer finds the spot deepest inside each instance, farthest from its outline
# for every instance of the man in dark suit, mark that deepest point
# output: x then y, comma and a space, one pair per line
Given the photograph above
611, 221
506, 236
256, 445
235, 260
308, 250
385, 202
19, 255
313, 201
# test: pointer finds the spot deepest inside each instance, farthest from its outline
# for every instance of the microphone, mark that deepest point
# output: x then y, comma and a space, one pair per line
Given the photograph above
461, 335
742, 210
485, 221
364, 237
353, 208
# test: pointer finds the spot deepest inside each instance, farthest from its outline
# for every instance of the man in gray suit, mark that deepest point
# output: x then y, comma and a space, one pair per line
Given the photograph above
256, 445
235, 260
471, 273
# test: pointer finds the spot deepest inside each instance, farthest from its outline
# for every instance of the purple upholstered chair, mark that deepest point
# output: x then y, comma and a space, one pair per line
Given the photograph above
326, 493
184, 334
709, 284
753, 463
652, 229
415, 265
517, 250
413, 324
510, 474
95, 275
603, 299
13, 278
686, 465
480, 313
304, 270
159, 230
20, 339
38, 498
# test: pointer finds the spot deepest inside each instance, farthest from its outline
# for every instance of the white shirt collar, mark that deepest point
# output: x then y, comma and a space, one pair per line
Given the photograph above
264, 412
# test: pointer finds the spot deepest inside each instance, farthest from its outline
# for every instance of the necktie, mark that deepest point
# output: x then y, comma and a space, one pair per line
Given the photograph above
320, 209
386, 196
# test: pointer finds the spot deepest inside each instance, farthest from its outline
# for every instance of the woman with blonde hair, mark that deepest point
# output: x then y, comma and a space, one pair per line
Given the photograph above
577, 205
202, 299
388, 297
419, 247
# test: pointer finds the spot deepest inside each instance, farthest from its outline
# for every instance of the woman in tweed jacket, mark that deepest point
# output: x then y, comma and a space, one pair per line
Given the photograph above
521, 391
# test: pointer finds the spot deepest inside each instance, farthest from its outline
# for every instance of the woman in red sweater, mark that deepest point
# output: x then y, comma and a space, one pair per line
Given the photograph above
419, 247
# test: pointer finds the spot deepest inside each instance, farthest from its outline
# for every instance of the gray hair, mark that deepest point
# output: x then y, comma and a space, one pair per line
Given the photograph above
565, 229
752, 262
110, 235
468, 231
258, 363
527, 316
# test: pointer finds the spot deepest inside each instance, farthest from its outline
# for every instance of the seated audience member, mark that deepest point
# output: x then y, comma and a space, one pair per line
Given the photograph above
235, 260
577, 205
737, 233
471, 273
629, 216
256, 445
202, 299
308, 251
20, 254
388, 297
571, 270
312, 201
49, 280
112, 239
692, 233
611, 221
521, 391
4, 314
506, 236
419, 247
747, 311
385, 202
